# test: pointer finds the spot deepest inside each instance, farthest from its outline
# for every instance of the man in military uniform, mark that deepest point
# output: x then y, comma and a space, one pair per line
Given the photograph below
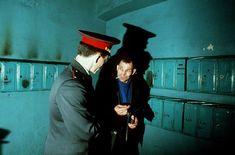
72, 122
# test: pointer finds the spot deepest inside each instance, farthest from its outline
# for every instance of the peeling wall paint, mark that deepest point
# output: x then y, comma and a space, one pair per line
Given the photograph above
31, 28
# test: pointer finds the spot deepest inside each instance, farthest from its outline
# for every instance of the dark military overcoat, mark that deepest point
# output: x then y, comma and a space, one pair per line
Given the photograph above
71, 124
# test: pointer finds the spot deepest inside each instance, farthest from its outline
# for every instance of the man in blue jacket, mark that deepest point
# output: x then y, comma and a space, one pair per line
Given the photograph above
72, 122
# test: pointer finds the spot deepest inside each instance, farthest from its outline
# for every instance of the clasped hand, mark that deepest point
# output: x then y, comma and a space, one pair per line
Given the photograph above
122, 110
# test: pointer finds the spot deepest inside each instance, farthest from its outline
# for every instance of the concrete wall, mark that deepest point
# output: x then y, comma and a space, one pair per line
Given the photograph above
184, 28
45, 30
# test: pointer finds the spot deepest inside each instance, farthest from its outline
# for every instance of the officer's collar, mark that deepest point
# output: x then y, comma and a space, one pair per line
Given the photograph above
79, 67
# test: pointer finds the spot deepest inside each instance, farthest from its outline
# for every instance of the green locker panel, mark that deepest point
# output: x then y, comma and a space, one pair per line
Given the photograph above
157, 73
1, 75
8, 76
222, 126
193, 75
169, 80
208, 75
23, 76
180, 74
157, 107
226, 76
178, 112
37, 81
172, 115
190, 119
168, 115
204, 121
169, 73
50, 73
211, 75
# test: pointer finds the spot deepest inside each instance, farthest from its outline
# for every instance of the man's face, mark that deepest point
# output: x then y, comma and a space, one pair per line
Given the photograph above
125, 71
99, 62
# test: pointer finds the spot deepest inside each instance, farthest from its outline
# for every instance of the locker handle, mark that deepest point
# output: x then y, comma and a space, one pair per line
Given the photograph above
25, 83
6, 80
218, 125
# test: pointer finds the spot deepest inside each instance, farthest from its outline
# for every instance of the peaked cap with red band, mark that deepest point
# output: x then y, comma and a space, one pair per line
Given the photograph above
100, 41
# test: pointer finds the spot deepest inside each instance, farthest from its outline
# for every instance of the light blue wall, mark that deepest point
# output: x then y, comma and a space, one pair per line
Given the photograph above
184, 28
48, 30
44, 30
25, 115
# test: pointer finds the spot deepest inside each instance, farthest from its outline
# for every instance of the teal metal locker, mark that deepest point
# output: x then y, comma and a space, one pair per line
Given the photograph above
172, 115
208, 75
158, 73
169, 74
211, 75
180, 74
193, 75
23, 76
178, 112
9, 76
204, 121
1, 75
50, 73
190, 119
222, 126
226, 76
157, 106
37, 80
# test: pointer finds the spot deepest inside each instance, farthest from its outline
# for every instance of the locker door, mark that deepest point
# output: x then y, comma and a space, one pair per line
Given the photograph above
169, 74
180, 74
157, 107
190, 119
222, 127
208, 76
226, 76
178, 116
204, 121
23, 76
9, 76
193, 75
168, 115
1, 75
158, 73
173, 115
37, 81
50, 72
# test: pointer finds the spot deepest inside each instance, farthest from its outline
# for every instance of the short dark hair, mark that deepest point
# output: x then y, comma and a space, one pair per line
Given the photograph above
127, 57
86, 50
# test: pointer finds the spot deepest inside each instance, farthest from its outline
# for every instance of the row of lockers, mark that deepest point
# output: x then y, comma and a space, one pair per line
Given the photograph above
24, 76
198, 119
207, 75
